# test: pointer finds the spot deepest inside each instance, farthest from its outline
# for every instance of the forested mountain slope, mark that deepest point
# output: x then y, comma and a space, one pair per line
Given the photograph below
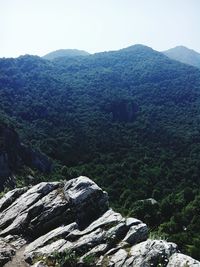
128, 118
16, 158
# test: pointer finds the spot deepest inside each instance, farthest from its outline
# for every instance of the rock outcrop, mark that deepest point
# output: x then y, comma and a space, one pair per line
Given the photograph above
70, 224
122, 110
14, 155
181, 260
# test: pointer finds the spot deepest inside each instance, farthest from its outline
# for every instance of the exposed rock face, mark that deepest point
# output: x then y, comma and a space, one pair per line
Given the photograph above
122, 110
181, 260
13, 155
84, 193
71, 224
151, 253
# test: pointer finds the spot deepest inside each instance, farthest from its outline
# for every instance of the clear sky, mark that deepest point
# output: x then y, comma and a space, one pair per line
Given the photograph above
40, 26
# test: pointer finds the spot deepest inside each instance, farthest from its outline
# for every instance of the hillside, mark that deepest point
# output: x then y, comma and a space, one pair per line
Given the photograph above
15, 158
184, 55
128, 118
70, 224
67, 53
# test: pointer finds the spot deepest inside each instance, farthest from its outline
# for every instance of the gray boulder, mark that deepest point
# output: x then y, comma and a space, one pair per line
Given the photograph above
101, 236
136, 234
10, 197
57, 234
15, 219
151, 253
86, 199
118, 258
181, 260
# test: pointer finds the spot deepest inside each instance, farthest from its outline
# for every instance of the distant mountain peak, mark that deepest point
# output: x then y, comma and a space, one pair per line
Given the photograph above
65, 53
137, 47
184, 55
182, 48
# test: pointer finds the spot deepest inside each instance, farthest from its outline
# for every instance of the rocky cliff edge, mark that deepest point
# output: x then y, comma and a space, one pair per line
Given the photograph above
70, 224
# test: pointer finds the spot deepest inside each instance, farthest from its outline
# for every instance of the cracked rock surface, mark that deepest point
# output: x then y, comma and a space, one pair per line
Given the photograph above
70, 224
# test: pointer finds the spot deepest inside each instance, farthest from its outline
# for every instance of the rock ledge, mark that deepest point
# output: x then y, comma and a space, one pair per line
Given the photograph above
71, 224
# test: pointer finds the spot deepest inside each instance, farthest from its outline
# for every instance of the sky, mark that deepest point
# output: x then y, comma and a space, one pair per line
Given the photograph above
40, 26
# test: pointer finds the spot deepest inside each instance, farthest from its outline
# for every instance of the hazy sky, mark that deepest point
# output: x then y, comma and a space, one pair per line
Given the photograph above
41, 26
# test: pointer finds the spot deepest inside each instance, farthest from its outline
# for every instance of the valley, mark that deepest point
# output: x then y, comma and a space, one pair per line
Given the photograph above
128, 118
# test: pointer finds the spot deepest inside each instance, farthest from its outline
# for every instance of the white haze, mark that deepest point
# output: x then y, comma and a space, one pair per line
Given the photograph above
40, 26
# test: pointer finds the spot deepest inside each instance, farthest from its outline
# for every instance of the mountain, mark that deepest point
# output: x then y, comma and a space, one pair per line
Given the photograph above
67, 53
70, 224
184, 55
128, 118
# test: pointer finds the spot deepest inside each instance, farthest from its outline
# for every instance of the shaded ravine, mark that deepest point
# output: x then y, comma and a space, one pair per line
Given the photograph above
18, 259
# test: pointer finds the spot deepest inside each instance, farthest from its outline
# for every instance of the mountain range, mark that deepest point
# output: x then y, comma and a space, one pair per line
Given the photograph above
128, 118
179, 53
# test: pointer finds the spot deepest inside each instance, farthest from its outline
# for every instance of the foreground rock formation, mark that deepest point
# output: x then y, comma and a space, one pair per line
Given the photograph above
71, 224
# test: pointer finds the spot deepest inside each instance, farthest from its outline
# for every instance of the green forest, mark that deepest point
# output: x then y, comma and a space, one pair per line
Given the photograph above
129, 119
